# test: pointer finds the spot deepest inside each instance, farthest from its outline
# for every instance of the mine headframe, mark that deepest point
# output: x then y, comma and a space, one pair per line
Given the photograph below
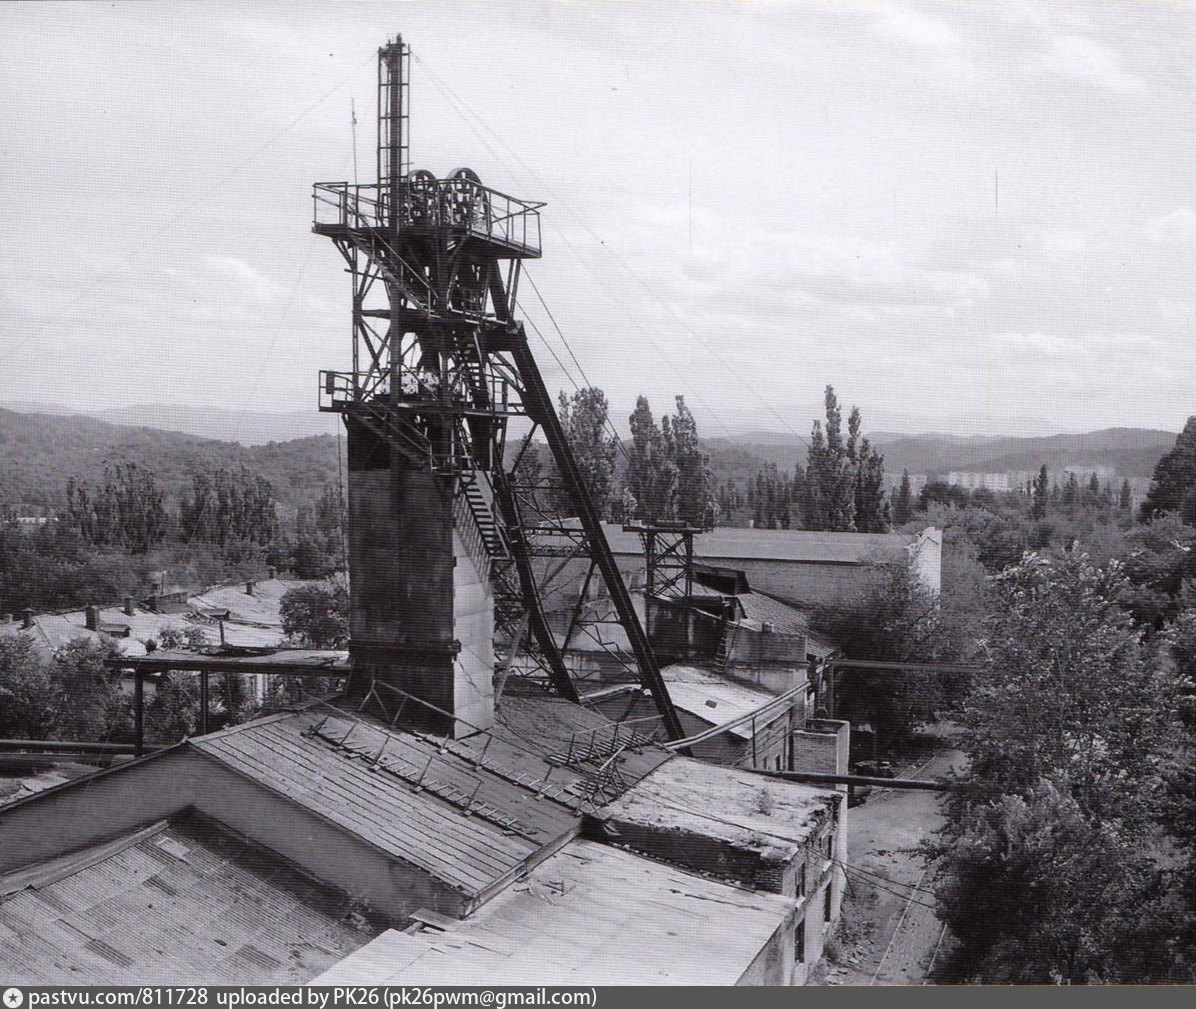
440, 365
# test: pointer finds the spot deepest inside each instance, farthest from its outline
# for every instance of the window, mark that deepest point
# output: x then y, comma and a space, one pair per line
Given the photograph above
801, 880
799, 941
826, 904
777, 762
830, 845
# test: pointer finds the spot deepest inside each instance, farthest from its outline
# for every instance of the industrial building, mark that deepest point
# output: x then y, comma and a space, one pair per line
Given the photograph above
465, 797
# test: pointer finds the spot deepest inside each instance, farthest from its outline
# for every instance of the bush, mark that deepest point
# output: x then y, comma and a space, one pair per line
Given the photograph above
317, 616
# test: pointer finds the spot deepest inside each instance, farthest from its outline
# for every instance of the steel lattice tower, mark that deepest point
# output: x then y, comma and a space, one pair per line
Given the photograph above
443, 533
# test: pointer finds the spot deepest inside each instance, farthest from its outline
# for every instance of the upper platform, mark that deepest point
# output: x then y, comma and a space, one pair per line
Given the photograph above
458, 207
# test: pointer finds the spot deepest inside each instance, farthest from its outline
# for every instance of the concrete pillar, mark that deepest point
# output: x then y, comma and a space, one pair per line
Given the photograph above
421, 605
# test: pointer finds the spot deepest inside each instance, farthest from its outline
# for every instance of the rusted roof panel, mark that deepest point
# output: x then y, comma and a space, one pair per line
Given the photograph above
414, 797
590, 914
183, 903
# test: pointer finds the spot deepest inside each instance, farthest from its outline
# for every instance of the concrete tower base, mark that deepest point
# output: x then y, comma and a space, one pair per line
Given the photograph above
421, 604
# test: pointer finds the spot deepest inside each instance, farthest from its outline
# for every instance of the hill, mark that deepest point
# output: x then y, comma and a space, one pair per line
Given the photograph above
40, 452
244, 426
1130, 451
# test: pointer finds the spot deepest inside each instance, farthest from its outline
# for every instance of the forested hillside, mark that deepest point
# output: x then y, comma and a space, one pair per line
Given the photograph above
1130, 451
40, 453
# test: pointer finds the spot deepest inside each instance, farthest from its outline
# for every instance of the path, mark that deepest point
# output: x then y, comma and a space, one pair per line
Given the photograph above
888, 934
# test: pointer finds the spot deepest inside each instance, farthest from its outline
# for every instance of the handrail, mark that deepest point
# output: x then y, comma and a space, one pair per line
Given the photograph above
452, 203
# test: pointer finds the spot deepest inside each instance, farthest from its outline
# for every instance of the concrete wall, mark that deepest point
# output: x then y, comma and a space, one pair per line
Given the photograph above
750, 647
422, 609
773, 965
90, 812
927, 557
473, 624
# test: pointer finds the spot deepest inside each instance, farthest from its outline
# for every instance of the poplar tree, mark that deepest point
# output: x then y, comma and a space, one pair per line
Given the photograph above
584, 418
1042, 493
903, 503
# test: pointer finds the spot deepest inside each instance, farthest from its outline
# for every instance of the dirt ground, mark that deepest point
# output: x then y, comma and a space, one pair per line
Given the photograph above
888, 934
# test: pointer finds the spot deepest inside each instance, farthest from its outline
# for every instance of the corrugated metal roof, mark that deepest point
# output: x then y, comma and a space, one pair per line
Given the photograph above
563, 728
382, 805
715, 700
183, 904
590, 914
818, 647
763, 609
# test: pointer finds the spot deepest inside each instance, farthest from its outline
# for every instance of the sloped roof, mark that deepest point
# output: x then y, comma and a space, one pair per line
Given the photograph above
762, 609
590, 914
177, 903
254, 620
714, 699
326, 763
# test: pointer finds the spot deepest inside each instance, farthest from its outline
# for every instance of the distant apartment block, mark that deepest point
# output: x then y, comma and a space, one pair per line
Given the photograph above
978, 481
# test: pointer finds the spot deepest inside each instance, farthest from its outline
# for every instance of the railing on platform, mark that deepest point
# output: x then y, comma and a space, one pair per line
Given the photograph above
459, 204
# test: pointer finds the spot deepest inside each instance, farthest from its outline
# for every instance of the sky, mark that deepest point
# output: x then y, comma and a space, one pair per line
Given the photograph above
967, 216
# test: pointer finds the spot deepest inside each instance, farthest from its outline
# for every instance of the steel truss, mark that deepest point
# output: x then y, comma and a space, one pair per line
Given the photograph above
440, 365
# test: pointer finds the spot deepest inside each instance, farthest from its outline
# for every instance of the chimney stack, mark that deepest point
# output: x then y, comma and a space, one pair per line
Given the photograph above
26, 618
92, 617
271, 573
128, 606
249, 587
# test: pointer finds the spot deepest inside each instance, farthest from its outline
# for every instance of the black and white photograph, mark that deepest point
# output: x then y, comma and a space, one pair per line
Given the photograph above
516, 502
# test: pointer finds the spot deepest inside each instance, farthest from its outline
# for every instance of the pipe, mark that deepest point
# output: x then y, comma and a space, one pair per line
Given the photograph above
68, 746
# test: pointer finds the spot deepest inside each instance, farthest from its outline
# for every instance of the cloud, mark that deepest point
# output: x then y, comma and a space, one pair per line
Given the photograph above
1082, 59
248, 280
907, 23
1179, 225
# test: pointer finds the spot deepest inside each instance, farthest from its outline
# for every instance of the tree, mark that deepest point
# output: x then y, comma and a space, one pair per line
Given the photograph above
125, 511
903, 506
895, 619
1071, 490
584, 419
25, 689
317, 616
87, 703
830, 472
1125, 500
652, 474
871, 508
228, 507
1066, 691
695, 479
1035, 892
1051, 853
1173, 486
1041, 493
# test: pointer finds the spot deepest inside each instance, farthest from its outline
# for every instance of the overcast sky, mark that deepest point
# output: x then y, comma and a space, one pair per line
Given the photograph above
960, 214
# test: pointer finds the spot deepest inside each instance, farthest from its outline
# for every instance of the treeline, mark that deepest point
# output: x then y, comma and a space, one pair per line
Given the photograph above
663, 474
114, 536
840, 489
